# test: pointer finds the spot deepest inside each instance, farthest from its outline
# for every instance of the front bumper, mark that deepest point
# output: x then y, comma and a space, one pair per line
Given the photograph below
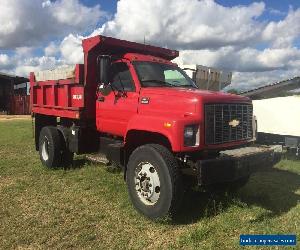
234, 164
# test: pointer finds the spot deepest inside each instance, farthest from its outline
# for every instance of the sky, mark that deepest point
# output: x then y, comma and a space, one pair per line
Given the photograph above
258, 41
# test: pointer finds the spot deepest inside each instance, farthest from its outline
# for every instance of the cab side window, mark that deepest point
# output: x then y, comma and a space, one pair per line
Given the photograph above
121, 77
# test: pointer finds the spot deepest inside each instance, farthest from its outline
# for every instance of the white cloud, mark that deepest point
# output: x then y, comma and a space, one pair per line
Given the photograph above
282, 34
189, 24
71, 49
24, 52
22, 66
3, 59
34, 64
31, 22
279, 58
243, 60
207, 24
74, 14
250, 80
46, 3
251, 67
52, 49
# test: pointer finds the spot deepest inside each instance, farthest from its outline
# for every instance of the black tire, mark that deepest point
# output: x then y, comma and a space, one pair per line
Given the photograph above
66, 158
50, 146
66, 155
171, 188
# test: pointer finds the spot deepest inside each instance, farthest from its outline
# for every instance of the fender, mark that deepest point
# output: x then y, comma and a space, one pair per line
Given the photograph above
167, 127
65, 133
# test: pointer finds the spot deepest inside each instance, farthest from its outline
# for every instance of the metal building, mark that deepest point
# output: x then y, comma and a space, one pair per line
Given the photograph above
274, 90
276, 107
13, 95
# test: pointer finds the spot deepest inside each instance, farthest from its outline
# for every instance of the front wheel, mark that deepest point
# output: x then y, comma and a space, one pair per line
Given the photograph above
154, 181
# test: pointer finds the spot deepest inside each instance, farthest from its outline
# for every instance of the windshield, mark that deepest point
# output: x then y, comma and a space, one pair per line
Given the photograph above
152, 74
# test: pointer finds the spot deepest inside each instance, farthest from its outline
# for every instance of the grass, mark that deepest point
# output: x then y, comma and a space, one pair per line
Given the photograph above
88, 207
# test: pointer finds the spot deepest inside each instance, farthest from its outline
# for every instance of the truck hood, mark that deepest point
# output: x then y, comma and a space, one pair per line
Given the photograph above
183, 101
203, 95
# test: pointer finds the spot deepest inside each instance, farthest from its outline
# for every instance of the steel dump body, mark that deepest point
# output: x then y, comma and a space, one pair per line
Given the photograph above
75, 97
61, 97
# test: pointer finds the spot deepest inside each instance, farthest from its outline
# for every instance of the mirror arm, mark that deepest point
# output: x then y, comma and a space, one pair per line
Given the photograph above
113, 89
121, 83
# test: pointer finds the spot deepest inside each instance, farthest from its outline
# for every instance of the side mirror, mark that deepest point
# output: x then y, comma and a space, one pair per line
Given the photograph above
105, 90
104, 63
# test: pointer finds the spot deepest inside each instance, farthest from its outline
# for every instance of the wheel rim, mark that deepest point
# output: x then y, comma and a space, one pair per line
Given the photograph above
147, 183
45, 149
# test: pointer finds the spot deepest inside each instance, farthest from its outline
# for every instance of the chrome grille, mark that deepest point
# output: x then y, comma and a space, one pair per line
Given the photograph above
217, 119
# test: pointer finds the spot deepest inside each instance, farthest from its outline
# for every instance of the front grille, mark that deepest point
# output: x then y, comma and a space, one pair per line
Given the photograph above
218, 117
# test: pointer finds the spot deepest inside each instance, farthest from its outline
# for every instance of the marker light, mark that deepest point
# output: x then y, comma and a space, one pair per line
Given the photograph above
167, 125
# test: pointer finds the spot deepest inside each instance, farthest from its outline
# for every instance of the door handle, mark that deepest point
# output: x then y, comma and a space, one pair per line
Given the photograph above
101, 99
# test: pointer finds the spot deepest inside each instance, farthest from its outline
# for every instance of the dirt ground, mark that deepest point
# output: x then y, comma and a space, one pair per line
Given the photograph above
14, 117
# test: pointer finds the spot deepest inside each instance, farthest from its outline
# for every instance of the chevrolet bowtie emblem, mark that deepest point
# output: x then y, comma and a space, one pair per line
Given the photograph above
234, 123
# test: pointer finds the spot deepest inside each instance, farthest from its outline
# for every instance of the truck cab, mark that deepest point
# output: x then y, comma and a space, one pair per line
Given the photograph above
129, 102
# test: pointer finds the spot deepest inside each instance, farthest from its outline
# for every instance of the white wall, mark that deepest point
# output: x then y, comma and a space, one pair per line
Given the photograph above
280, 115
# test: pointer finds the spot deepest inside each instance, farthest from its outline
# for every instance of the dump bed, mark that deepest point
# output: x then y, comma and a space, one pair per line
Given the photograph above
71, 92
58, 92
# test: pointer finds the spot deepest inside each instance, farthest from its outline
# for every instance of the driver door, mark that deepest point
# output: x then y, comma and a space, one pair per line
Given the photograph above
114, 111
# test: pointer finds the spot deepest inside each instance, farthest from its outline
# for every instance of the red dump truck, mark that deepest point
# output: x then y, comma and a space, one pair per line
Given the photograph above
129, 102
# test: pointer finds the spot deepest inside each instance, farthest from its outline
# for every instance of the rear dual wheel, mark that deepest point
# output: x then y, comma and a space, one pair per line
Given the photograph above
154, 181
53, 150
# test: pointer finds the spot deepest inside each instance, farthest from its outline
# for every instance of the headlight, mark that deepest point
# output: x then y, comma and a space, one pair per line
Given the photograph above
191, 135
